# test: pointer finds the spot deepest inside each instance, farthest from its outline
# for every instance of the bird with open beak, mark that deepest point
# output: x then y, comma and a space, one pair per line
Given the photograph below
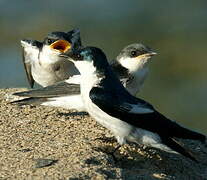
42, 60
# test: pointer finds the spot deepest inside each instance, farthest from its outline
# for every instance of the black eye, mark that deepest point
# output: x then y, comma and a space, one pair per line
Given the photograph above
49, 41
133, 53
79, 56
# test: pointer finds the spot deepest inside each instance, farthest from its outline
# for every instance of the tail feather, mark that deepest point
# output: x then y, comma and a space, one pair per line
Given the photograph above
173, 129
177, 147
185, 133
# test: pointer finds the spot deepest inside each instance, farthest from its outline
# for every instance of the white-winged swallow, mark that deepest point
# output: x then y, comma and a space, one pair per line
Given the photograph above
130, 119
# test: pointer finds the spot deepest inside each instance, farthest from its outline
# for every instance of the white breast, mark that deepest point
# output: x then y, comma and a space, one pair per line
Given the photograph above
135, 84
119, 128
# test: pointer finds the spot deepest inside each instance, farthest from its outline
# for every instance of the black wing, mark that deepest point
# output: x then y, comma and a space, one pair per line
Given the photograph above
116, 105
140, 114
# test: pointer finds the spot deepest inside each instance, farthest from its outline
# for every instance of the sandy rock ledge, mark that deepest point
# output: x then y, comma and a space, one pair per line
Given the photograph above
50, 143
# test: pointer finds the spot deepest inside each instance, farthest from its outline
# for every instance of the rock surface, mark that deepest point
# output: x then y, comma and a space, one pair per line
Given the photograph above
76, 147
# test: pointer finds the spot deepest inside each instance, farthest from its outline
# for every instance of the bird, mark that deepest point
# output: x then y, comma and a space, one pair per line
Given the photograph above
42, 62
129, 118
131, 67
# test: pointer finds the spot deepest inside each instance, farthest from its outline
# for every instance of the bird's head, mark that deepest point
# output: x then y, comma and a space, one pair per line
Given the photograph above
135, 56
88, 59
61, 42
57, 43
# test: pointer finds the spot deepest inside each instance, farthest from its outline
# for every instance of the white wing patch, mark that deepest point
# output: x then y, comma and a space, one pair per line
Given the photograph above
140, 109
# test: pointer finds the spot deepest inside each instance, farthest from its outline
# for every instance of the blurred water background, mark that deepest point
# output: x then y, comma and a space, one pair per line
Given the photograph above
177, 30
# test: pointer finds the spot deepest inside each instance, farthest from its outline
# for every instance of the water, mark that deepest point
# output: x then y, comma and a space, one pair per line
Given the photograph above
175, 29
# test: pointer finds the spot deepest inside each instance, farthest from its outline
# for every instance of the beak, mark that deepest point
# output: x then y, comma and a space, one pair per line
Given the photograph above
150, 53
61, 45
147, 55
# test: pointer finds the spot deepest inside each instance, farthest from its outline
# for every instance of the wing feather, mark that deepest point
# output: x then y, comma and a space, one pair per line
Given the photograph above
114, 103
27, 67
56, 90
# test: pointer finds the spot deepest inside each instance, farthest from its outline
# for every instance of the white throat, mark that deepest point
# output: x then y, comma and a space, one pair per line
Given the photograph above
89, 78
49, 56
134, 64
138, 68
86, 68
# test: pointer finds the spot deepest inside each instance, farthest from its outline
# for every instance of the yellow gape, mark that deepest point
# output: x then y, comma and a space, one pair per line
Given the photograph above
61, 45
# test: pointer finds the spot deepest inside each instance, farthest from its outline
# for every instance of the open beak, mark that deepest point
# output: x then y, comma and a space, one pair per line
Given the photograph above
61, 45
